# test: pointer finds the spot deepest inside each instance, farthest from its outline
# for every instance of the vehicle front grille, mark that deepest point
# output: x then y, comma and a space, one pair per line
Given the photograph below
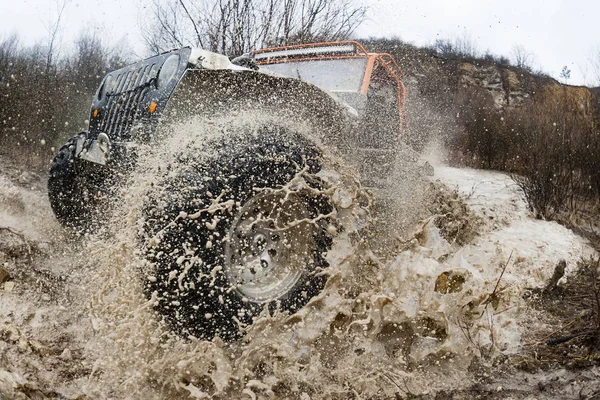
122, 112
125, 101
129, 97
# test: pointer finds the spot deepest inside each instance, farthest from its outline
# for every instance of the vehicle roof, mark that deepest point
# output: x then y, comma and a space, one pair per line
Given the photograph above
318, 51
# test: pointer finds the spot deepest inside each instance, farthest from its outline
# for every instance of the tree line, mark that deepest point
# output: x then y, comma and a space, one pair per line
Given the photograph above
45, 98
233, 27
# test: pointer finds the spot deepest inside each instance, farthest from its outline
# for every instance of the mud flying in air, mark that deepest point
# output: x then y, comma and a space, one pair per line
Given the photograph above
246, 226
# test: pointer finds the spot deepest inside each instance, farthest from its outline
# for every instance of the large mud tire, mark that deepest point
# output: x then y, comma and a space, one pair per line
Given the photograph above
202, 262
66, 189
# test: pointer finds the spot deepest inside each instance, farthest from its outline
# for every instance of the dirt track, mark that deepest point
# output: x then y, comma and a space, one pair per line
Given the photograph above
46, 327
41, 327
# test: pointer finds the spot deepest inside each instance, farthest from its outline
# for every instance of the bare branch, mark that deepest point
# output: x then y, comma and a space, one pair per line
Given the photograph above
53, 29
193, 21
522, 58
237, 26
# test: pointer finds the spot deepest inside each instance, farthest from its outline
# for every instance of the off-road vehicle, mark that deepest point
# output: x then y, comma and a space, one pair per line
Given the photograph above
248, 224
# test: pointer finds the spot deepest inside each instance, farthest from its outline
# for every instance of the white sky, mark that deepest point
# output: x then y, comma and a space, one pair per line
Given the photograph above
557, 32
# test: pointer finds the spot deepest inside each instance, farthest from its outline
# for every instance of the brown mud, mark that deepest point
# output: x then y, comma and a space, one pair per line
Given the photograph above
74, 324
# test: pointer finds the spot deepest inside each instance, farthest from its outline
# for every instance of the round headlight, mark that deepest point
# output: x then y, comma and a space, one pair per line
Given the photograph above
167, 71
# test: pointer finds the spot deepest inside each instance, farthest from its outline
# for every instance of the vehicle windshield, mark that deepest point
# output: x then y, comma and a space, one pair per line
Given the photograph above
335, 75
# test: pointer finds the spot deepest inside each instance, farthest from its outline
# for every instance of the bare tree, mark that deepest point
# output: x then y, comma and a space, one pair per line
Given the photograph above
53, 29
522, 58
8, 49
459, 46
237, 26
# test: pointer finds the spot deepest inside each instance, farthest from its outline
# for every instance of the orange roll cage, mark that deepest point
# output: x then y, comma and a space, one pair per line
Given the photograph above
384, 60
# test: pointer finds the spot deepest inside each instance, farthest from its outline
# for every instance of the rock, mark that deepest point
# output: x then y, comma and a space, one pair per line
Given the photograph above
9, 286
9, 333
66, 354
4, 276
449, 282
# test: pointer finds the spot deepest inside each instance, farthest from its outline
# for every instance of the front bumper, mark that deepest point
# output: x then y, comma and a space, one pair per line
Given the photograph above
97, 151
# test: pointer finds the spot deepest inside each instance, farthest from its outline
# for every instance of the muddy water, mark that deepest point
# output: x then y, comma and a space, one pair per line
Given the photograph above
417, 317
379, 319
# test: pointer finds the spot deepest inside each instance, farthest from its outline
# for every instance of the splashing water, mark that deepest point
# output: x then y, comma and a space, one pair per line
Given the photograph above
415, 316
374, 321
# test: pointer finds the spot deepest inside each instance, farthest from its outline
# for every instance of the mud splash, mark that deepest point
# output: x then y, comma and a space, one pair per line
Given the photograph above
412, 315
418, 318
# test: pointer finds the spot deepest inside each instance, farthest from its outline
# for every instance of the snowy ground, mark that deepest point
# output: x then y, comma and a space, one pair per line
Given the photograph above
462, 304
536, 245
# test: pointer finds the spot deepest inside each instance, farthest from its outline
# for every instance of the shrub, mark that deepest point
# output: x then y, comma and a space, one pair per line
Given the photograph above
42, 102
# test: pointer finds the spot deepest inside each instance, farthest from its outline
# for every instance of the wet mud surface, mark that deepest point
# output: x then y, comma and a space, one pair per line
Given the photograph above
453, 308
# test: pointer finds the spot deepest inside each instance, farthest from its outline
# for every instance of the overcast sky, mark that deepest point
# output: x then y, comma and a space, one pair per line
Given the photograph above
556, 32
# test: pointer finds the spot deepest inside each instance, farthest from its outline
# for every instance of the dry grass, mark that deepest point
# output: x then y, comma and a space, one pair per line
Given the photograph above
572, 311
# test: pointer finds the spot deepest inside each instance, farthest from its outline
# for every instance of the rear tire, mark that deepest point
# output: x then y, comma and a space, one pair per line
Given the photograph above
252, 247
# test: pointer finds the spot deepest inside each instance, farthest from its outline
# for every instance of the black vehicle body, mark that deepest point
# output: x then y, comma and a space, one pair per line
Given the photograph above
131, 102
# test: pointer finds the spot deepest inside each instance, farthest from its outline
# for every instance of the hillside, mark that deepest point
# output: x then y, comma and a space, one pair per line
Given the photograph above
437, 84
489, 114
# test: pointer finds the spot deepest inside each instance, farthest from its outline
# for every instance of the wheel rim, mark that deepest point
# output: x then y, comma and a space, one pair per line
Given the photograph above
271, 242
